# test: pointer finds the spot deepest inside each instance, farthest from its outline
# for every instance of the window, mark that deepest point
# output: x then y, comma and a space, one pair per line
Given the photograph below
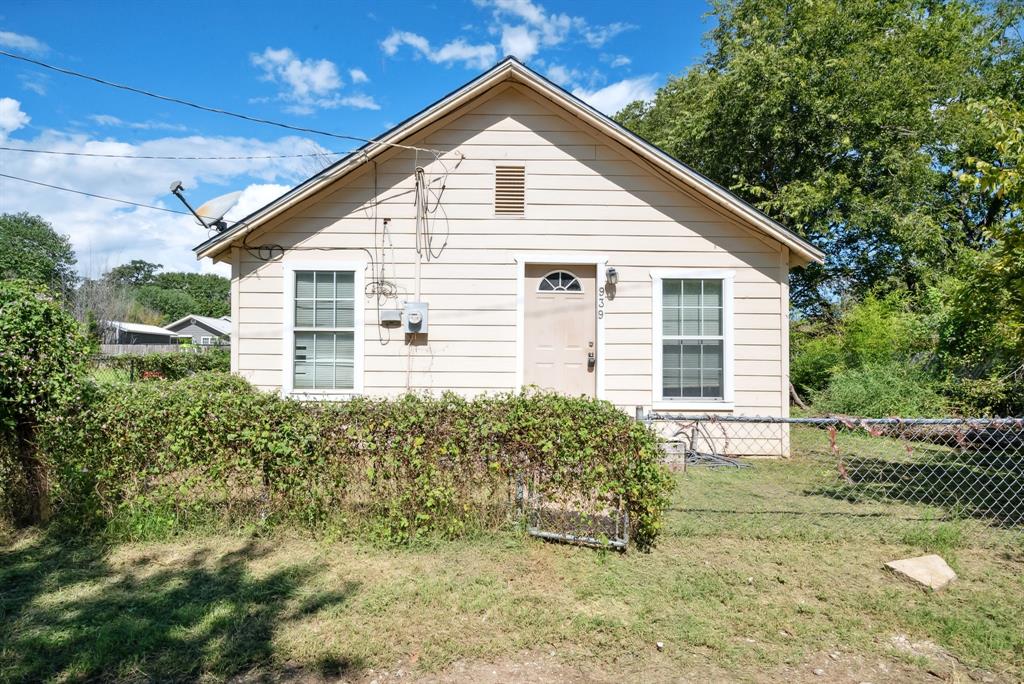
324, 318
206, 340
693, 349
560, 281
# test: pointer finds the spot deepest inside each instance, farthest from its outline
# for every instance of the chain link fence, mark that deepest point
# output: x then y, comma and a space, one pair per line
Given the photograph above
930, 481
180, 361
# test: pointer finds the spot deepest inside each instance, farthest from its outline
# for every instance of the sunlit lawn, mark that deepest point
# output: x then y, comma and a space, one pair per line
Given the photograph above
729, 599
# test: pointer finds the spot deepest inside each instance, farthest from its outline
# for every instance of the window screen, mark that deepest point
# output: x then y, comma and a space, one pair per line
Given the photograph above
324, 351
693, 341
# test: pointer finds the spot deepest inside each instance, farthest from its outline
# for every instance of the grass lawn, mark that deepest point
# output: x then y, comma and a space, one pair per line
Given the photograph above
732, 600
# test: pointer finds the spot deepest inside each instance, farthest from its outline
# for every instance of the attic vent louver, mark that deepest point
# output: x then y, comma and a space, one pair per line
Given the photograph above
509, 190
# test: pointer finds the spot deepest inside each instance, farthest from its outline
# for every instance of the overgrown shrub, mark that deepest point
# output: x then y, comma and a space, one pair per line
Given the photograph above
150, 458
173, 365
42, 358
871, 331
881, 389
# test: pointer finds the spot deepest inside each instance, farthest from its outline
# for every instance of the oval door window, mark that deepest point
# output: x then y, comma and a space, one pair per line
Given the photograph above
560, 281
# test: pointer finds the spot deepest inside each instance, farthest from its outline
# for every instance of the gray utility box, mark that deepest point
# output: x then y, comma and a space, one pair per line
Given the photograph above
391, 318
414, 320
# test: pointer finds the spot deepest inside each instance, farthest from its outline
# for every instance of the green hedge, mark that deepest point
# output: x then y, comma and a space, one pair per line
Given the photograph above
150, 458
173, 365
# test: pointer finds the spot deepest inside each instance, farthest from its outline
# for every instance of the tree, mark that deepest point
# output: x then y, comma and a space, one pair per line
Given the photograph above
847, 121
211, 292
157, 297
135, 273
171, 304
41, 361
30, 249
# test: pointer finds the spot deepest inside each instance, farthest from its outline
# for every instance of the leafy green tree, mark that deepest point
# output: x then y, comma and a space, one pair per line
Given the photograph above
135, 273
847, 120
171, 304
211, 292
169, 295
41, 361
30, 249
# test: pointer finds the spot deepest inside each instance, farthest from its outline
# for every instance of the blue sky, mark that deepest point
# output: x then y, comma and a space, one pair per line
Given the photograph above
352, 68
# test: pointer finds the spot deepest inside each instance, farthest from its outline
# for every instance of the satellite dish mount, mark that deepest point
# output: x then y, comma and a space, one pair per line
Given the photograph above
211, 214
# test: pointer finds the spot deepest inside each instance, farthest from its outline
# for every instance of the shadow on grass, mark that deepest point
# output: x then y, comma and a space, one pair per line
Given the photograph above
965, 484
67, 613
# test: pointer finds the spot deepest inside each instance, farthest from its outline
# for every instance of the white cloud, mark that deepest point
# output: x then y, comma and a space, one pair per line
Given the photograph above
563, 76
472, 56
353, 101
105, 234
617, 61
254, 197
613, 97
551, 28
519, 41
525, 29
305, 77
113, 121
35, 82
11, 116
23, 43
597, 36
310, 83
545, 29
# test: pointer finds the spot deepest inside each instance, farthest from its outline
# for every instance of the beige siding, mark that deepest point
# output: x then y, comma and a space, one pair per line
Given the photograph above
584, 195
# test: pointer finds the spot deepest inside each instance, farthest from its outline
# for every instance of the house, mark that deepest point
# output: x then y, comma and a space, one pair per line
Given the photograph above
205, 331
122, 333
508, 235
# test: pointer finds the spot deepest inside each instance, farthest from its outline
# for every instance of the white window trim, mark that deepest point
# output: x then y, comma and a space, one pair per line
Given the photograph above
206, 340
727, 402
288, 338
600, 262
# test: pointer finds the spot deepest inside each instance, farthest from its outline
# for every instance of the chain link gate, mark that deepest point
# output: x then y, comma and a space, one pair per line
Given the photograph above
591, 520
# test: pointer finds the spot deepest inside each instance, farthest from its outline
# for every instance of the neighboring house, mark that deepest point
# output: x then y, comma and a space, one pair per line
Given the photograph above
205, 331
547, 245
119, 333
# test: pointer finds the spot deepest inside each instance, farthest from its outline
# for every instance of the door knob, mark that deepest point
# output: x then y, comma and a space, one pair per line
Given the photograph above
591, 360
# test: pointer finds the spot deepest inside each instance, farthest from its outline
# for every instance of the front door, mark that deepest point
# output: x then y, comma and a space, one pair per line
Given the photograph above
561, 328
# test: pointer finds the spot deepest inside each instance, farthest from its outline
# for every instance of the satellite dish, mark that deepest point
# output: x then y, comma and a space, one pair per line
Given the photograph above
211, 214
213, 211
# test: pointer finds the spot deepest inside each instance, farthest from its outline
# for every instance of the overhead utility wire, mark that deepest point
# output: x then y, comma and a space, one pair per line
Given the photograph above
89, 194
157, 156
205, 108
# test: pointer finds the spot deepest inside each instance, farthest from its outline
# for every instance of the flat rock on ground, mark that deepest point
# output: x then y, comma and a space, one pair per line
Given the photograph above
930, 571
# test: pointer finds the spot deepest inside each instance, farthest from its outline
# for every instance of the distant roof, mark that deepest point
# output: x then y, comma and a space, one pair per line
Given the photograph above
140, 328
220, 325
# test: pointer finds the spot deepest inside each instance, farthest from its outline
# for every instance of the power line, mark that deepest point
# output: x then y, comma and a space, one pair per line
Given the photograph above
102, 197
205, 108
157, 156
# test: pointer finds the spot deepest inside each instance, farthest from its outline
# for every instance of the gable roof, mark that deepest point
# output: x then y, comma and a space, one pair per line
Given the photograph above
512, 70
220, 326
